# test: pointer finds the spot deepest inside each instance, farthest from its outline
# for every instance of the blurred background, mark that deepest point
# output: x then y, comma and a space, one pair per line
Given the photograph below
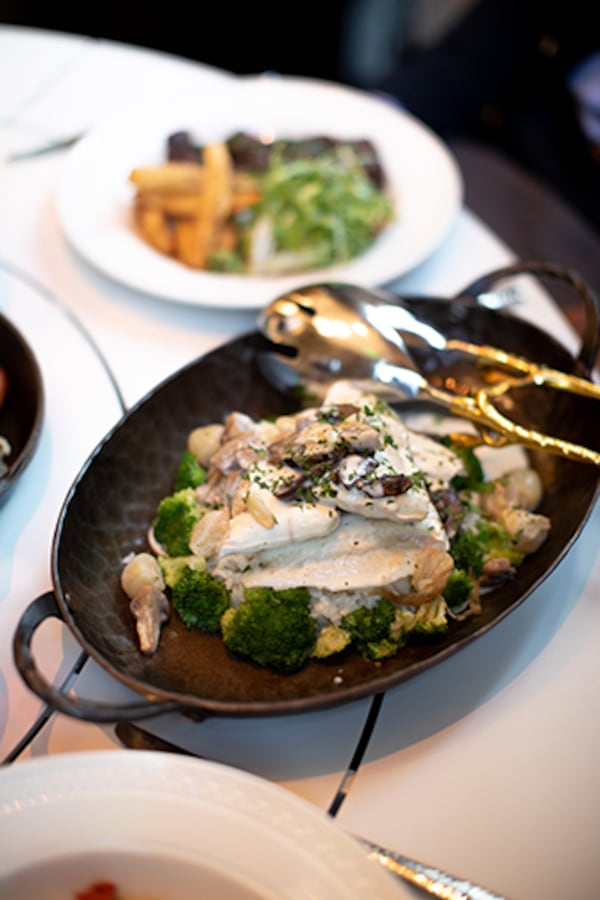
520, 76
343, 40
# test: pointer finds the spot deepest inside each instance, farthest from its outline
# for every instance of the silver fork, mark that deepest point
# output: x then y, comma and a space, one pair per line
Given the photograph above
427, 878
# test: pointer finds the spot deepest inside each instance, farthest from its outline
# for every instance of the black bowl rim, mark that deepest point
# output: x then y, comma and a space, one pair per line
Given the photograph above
20, 462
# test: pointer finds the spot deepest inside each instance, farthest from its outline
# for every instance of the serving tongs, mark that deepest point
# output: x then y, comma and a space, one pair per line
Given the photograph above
324, 332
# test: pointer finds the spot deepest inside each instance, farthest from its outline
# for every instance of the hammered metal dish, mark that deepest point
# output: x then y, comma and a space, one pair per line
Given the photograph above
112, 502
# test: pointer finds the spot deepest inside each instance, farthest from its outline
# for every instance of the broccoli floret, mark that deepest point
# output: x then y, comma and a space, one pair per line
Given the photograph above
498, 542
375, 630
458, 589
190, 473
272, 628
331, 640
175, 518
472, 547
425, 621
430, 619
468, 551
199, 599
473, 478
172, 567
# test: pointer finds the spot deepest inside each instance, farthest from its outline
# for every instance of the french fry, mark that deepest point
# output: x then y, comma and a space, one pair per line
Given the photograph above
185, 209
187, 242
219, 180
170, 177
195, 239
174, 205
245, 194
154, 228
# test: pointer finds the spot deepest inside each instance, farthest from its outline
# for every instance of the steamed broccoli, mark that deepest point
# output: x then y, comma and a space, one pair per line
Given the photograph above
458, 589
430, 619
272, 628
471, 548
173, 566
199, 599
190, 473
175, 518
498, 542
468, 552
473, 478
377, 632
331, 640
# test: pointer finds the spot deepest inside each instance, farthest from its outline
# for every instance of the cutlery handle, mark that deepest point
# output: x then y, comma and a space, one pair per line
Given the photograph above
89, 710
496, 430
429, 879
532, 373
591, 331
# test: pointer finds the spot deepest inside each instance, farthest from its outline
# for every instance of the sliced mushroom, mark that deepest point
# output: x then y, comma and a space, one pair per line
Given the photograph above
432, 568
290, 483
389, 486
361, 473
498, 567
450, 508
338, 412
355, 470
313, 443
212, 491
233, 453
359, 435
237, 424
150, 609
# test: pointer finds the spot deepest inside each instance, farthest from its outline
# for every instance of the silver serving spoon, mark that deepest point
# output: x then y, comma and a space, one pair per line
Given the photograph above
327, 332
322, 333
430, 880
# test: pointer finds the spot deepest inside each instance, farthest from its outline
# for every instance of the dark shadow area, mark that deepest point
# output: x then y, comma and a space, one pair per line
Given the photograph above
293, 38
497, 74
502, 77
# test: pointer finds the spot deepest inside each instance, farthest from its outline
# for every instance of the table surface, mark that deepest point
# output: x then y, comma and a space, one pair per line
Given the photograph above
486, 764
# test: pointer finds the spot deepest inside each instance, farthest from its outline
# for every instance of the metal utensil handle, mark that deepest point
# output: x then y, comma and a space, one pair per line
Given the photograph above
480, 410
89, 710
429, 879
586, 357
533, 374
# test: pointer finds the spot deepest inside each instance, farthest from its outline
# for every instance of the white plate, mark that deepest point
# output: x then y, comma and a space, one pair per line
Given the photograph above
94, 196
171, 828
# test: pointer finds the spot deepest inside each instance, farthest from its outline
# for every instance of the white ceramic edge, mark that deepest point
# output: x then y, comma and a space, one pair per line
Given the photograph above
415, 159
157, 799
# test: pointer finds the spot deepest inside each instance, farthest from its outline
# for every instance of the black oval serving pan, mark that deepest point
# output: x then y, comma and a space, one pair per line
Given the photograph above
21, 414
113, 500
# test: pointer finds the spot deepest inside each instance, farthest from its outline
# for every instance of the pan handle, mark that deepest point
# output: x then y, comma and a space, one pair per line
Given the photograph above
591, 330
89, 710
